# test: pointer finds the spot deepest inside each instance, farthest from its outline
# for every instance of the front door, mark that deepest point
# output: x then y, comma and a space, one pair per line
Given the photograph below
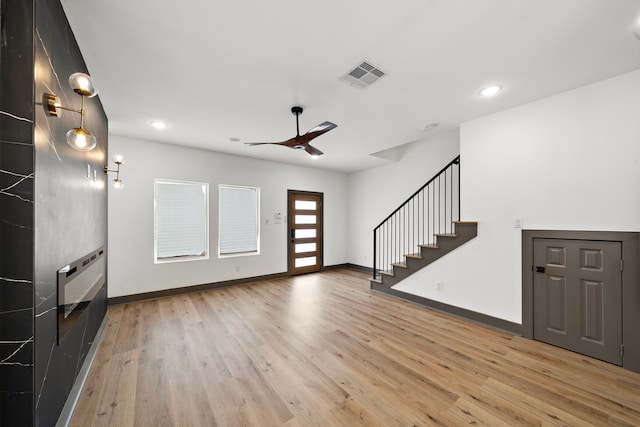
305, 232
577, 296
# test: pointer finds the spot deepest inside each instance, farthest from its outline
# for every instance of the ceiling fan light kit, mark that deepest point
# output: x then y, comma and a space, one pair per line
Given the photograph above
301, 142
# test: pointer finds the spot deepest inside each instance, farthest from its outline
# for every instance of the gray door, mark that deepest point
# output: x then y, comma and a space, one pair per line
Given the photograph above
577, 296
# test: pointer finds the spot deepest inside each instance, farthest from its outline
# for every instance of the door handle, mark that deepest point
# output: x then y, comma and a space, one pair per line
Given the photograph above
293, 233
539, 269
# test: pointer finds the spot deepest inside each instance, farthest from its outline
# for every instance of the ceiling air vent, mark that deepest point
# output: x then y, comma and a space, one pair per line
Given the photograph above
363, 75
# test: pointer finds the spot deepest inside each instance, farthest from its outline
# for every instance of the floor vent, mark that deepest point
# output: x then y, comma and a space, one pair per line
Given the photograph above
364, 75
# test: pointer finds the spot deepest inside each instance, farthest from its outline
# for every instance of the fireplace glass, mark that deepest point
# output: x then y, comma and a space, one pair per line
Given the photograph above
78, 283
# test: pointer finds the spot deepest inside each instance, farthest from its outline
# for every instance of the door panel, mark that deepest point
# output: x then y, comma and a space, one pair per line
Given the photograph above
305, 232
592, 299
578, 296
556, 304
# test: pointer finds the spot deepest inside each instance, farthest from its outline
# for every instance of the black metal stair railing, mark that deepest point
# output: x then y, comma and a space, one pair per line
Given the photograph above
429, 211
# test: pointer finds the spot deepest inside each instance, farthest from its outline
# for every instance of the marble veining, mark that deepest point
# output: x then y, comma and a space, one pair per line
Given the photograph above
5, 191
45, 312
49, 141
40, 133
24, 119
53, 69
6, 360
44, 379
43, 299
81, 353
18, 310
10, 280
11, 224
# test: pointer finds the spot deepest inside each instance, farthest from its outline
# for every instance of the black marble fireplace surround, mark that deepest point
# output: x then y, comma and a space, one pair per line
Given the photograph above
52, 212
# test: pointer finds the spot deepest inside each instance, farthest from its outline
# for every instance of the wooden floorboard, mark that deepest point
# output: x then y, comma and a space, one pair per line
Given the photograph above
323, 350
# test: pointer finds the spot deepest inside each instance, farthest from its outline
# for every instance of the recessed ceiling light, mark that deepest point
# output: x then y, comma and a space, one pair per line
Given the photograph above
158, 124
490, 90
234, 139
430, 126
314, 157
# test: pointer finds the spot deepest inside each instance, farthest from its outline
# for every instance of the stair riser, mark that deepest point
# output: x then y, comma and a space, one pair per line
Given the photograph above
464, 233
400, 273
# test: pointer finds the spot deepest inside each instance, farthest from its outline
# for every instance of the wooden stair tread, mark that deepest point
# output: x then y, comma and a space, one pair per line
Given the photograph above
467, 231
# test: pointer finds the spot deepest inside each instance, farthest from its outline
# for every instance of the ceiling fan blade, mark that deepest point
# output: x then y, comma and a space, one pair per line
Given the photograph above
260, 143
314, 133
312, 150
321, 128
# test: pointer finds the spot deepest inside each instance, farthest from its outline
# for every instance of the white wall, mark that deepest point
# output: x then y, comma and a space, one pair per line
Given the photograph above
571, 161
131, 261
375, 193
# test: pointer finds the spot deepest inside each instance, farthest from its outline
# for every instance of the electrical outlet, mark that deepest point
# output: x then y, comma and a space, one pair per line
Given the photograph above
237, 268
439, 286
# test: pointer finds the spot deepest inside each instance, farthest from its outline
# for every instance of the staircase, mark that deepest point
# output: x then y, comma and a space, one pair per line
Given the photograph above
427, 253
424, 228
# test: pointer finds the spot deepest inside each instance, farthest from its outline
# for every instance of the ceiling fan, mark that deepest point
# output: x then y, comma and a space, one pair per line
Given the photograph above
302, 141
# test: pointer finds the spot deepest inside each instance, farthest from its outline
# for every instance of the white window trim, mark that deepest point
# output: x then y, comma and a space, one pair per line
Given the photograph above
155, 228
248, 253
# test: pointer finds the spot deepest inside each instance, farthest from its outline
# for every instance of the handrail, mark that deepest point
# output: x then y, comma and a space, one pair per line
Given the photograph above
452, 162
428, 211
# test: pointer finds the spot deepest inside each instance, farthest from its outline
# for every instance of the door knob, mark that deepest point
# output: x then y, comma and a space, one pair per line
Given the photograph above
539, 269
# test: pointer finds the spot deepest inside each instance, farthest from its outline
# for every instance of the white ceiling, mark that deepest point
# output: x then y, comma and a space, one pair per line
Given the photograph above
214, 70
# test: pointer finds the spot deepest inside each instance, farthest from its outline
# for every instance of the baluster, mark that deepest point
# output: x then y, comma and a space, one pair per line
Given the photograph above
418, 219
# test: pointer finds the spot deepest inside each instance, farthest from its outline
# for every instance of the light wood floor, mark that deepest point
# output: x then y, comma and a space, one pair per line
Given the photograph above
324, 350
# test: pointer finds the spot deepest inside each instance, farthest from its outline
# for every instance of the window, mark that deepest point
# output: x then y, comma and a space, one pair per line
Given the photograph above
181, 221
239, 213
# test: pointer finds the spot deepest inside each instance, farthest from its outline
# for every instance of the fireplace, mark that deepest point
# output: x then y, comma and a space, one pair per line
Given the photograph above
78, 284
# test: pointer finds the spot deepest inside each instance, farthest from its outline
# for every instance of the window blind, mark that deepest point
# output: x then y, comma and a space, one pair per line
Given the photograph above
181, 219
238, 219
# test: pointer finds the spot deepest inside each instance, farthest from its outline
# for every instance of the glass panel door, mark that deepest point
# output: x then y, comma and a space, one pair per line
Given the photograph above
305, 232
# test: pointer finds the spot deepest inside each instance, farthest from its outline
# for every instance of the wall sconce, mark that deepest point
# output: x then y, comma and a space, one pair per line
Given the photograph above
117, 182
78, 138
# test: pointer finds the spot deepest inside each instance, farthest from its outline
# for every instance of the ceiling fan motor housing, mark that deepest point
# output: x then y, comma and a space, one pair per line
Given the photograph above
296, 110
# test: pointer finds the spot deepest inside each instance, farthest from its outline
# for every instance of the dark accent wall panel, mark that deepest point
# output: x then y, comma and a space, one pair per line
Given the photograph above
54, 210
70, 209
16, 60
16, 213
16, 284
